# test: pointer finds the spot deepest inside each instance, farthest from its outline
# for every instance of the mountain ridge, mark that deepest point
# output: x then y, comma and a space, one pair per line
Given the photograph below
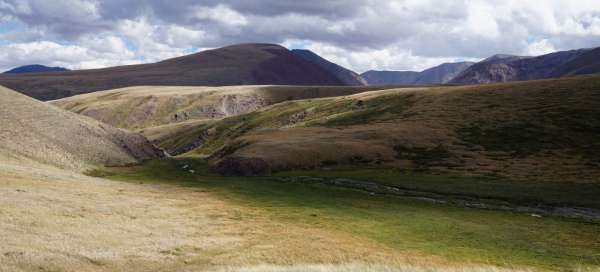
240, 64
347, 76
516, 68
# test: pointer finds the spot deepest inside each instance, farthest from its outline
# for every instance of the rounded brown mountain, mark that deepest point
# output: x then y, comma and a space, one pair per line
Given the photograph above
242, 64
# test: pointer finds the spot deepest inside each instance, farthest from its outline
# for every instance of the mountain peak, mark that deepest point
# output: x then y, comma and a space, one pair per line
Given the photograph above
238, 64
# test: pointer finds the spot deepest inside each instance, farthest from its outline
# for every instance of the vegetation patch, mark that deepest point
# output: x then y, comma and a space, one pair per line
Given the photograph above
520, 139
423, 157
381, 108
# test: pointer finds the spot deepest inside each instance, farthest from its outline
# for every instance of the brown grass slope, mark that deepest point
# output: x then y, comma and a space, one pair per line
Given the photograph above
148, 106
527, 130
34, 132
242, 64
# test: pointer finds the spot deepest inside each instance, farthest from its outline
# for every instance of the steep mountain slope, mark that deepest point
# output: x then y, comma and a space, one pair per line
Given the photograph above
147, 106
535, 130
37, 133
35, 68
510, 68
436, 75
242, 64
586, 63
442, 73
390, 77
348, 77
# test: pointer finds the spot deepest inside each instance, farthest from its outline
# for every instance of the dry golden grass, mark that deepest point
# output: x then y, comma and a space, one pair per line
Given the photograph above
53, 220
148, 106
35, 132
165, 132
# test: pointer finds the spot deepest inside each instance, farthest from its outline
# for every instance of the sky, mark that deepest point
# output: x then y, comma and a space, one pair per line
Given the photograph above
358, 34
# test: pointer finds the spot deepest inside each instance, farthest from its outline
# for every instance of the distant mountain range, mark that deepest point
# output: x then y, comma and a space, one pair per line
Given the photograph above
35, 68
436, 75
271, 64
503, 68
241, 64
497, 68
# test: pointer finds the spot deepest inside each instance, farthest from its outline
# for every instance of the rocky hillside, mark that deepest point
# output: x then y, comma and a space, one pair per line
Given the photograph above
436, 75
37, 133
348, 77
242, 64
536, 130
504, 68
148, 106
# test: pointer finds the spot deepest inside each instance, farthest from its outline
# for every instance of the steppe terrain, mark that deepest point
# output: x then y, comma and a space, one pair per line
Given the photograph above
498, 177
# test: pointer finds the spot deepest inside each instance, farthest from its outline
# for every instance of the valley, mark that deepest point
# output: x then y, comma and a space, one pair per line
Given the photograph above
269, 159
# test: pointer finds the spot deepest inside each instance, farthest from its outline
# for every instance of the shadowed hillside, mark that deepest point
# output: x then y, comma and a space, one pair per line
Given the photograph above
243, 64
540, 130
38, 133
348, 77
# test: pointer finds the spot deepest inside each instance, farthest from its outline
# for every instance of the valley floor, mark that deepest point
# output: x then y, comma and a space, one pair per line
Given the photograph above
160, 217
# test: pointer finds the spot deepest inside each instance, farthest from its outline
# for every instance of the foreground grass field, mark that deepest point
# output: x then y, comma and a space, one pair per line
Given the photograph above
407, 226
53, 220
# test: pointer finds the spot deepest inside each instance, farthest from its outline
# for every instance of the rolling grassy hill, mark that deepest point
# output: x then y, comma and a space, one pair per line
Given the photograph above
242, 64
33, 132
148, 106
538, 130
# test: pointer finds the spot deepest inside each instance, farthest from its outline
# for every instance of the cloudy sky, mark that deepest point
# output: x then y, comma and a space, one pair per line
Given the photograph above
358, 34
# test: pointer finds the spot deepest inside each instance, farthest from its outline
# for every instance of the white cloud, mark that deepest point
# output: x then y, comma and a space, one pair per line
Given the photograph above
151, 43
221, 14
539, 48
382, 59
91, 54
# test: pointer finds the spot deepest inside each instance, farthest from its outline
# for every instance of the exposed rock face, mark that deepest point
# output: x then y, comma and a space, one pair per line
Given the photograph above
347, 76
241, 166
503, 68
242, 64
436, 75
